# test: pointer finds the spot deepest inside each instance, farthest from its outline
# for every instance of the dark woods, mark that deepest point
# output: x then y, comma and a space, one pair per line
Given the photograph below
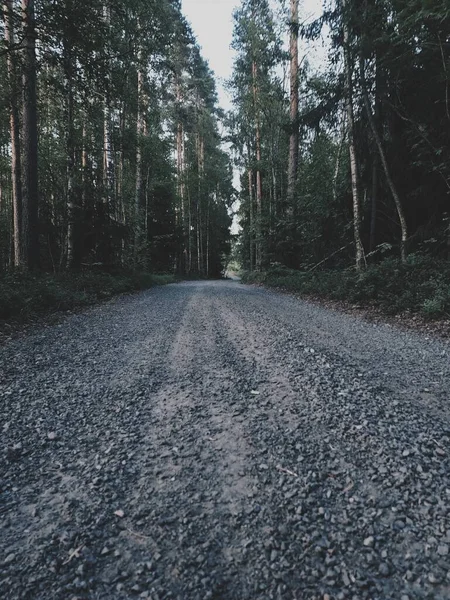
372, 178
111, 151
109, 140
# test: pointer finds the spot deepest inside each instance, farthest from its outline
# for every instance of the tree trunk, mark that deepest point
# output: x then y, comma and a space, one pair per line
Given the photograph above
201, 170
84, 167
181, 182
30, 215
375, 166
390, 182
207, 236
108, 164
258, 220
251, 219
189, 230
338, 158
121, 170
16, 170
72, 256
352, 150
294, 135
138, 189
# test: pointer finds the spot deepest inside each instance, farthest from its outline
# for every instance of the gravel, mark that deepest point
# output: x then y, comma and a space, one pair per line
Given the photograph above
217, 441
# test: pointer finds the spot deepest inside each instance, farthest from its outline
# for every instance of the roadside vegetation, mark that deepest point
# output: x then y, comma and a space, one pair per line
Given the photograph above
421, 285
25, 295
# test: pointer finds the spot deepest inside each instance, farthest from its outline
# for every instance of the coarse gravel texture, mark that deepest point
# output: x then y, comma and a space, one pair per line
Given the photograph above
211, 440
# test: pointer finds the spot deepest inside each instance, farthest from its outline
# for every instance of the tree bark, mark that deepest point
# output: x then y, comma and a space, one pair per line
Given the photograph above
108, 163
294, 100
70, 152
30, 215
258, 223
16, 170
138, 189
352, 149
251, 218
181, 181
207, 236
375, 166
374, 206
339, 157
390, 182
201, 172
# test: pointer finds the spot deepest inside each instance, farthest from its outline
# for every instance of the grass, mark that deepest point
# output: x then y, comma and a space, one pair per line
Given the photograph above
23, 296
422, 285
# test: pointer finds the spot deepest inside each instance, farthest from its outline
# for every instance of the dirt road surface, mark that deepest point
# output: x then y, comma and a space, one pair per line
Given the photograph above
211, 440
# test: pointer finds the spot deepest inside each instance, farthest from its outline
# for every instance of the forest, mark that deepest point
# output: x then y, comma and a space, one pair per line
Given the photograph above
111, 154
346, 167
116, 157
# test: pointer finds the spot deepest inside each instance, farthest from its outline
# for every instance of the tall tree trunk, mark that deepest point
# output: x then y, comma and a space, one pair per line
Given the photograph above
374, 206
294, 135
84, 166
251, 214
390, 182
352, 149
258, 220
121, 169
201, 170
30, 215
138, 189
189, 230
16, 170
338, 158
181, 181
375, 165
208, 220
71, 257
108, 163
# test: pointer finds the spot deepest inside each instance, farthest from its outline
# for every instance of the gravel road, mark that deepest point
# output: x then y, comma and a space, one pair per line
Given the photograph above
211, 440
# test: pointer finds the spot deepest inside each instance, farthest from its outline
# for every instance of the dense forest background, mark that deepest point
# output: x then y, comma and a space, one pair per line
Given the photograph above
372, 127
110, 145
115, 154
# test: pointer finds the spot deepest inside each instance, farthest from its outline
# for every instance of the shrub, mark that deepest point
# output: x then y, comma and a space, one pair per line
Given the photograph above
24, 295
422, 285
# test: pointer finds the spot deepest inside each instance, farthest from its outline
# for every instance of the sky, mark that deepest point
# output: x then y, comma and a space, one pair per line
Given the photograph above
212, 23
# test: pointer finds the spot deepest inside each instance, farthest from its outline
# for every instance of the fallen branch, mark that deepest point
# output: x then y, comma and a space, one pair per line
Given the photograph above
328, 257
73, 554
283, 470
138, 535
350, 486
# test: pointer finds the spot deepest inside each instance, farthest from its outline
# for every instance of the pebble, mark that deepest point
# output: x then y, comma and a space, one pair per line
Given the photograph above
148, 390
434, 579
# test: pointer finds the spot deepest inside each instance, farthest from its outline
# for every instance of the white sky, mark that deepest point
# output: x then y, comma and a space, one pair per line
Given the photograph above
212, 23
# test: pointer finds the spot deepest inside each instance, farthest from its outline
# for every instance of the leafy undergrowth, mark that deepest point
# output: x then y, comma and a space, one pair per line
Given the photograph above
422, 285
23, 296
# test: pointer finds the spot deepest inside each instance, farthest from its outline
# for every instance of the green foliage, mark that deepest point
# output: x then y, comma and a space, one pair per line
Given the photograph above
403, 50
24, 295
422, 285
115, 81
